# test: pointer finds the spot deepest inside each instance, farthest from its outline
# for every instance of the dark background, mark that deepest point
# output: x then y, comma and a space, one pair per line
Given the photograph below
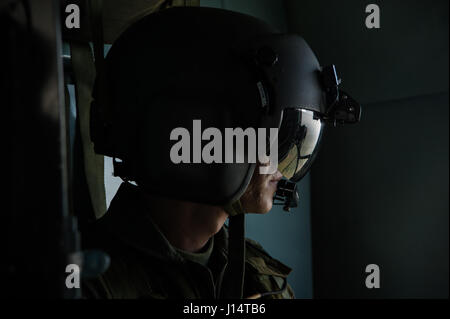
380, 188
378, 192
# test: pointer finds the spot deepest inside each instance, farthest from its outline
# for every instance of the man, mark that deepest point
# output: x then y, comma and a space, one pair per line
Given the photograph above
231, 72
165, 248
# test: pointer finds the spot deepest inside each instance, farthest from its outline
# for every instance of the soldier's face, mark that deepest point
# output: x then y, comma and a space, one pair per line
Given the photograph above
258, 198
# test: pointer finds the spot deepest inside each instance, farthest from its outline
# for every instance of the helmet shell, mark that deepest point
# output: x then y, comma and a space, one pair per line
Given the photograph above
192, 63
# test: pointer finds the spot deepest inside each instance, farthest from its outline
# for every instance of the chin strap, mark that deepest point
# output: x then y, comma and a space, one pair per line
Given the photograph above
233, 283
235, 208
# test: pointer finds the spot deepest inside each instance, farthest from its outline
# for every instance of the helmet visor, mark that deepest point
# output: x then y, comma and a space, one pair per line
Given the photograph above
299, 137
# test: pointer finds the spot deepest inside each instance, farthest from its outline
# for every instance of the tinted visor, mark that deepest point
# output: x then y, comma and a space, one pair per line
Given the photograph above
298, 140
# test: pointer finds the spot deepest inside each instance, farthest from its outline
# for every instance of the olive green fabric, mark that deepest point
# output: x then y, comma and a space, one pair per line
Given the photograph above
235, 208
201, 257
145, 265
265, 272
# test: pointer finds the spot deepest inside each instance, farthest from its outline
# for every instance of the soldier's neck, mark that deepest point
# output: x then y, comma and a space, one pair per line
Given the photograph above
186, 225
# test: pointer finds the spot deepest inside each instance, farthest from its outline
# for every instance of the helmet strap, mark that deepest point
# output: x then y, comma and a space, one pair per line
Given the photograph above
235, 208
233, 283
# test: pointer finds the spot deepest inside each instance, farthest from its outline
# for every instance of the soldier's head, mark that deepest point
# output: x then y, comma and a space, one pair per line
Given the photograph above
178, 81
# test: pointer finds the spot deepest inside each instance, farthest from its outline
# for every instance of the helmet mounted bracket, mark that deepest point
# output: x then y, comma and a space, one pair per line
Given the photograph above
341, 108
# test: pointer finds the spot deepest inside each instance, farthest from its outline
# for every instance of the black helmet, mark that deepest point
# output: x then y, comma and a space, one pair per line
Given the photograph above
228, 70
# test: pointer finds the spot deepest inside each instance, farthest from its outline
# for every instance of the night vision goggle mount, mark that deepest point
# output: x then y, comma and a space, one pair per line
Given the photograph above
341, 108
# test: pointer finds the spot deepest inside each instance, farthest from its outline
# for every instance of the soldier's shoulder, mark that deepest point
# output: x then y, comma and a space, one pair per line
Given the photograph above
124, 279
265, 273
258, 257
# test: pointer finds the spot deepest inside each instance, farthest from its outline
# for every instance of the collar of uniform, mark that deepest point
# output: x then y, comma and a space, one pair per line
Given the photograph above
128, 220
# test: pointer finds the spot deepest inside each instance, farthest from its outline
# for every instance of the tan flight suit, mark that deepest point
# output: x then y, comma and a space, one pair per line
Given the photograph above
145, 265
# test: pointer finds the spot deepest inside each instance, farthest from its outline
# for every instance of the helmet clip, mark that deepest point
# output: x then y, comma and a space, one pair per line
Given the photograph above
287, 193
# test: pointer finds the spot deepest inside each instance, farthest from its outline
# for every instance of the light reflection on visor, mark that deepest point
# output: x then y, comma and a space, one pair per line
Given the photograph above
299, 137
